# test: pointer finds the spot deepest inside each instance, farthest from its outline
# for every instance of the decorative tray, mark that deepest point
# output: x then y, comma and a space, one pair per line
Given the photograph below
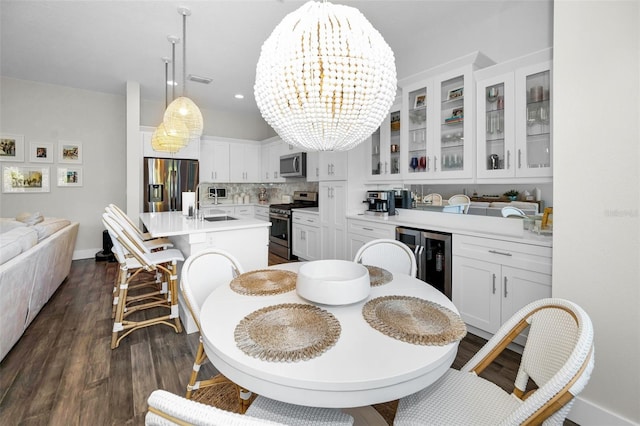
414, 320
264, 282
287, 332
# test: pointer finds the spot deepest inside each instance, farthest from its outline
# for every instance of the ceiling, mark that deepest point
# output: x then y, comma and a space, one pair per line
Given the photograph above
100, 45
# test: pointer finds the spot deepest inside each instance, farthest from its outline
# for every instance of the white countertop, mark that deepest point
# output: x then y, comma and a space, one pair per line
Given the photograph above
166, 224
307, 210
463, 224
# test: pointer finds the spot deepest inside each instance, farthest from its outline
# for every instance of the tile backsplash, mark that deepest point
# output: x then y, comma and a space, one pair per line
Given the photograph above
275, 191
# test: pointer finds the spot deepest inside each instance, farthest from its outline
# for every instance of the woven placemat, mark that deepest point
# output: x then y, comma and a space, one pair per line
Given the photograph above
264, 282
287, 332
378, 276
414, 320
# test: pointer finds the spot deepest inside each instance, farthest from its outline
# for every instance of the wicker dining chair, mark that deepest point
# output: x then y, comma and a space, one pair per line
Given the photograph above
433, 199
392, 255
167, 409
460, 200
510, 211
202, 273
558, 358
165, 261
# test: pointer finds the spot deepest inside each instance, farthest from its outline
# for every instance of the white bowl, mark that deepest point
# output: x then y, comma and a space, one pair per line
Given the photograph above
333, 282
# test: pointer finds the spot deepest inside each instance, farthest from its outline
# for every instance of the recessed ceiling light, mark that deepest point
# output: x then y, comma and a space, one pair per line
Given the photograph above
238, 96
171, 83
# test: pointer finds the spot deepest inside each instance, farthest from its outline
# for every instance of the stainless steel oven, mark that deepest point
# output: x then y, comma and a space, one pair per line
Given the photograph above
280, 232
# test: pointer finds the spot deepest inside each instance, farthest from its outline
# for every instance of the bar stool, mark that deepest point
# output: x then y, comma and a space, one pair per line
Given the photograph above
165, 261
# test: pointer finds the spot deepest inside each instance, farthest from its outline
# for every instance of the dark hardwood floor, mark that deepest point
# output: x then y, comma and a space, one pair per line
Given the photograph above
63, 372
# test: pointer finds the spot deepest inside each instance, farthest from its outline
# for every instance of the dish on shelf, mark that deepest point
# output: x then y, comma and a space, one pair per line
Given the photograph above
456, 93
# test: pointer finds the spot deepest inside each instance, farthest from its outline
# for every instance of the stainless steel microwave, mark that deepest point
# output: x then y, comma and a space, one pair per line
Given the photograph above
293, 165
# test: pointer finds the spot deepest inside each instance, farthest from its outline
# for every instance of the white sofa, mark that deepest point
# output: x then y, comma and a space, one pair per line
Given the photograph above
35, 259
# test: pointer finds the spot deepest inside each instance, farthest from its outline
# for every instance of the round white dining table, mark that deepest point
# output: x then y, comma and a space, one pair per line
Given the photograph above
364, 367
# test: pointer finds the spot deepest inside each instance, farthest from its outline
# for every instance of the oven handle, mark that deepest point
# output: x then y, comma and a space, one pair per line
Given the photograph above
278, 216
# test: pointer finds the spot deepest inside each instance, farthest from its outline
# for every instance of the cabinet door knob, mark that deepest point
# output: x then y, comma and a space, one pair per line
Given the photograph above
505, 287
508, 159
519, 158
435, 163
494, 284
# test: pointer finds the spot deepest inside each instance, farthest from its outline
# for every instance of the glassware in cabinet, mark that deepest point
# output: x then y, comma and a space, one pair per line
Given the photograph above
495, 135
417, 153
533, 120
452, 124
384, 158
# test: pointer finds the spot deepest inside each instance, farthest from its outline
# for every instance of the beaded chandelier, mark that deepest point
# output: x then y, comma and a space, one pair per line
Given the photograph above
325, 79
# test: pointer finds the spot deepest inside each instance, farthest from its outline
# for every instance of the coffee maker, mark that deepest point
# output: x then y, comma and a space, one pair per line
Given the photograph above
380, 203
402, 198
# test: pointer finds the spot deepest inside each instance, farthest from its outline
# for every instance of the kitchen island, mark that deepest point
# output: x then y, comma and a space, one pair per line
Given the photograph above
246, 239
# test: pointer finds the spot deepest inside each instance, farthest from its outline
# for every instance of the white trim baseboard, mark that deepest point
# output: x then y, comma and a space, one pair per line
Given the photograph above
586, 413
85, 254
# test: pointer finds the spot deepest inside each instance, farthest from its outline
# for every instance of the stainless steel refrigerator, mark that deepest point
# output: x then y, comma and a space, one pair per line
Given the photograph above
165, 179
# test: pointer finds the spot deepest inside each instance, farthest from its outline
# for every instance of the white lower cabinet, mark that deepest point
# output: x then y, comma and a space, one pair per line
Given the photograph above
361, 232
493, 279
332, 202
261, 212
244, 212
306, 235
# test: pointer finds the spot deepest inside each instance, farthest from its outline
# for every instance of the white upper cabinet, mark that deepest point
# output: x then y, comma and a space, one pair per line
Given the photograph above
190, 152
214, 161
245, 159
438, 122
332, 165
514, 108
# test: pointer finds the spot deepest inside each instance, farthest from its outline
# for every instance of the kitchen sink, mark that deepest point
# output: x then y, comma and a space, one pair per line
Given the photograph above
219, 218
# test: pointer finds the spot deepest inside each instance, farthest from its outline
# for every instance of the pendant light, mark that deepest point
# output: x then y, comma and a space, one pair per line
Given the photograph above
325, 79
174, 139
183, 111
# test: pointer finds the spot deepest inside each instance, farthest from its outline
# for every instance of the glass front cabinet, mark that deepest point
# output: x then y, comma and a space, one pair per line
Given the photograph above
514, 103
385, 148
438, 134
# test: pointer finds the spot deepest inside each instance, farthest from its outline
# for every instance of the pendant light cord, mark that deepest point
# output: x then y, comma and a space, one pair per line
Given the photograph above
184, 54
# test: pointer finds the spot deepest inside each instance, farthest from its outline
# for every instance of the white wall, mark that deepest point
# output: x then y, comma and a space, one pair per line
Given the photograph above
596, 255
48, 113
216, 122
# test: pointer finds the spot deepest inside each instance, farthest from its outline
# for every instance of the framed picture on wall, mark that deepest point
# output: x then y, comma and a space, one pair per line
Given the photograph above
41, 152
69, 152
12, 148
25, 179
69, 176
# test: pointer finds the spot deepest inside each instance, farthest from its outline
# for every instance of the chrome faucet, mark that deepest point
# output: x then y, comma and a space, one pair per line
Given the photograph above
215, 195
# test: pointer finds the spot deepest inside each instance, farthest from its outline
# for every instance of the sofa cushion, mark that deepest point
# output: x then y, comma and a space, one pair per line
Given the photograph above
14, 242
7, 224
49, 226
30, 218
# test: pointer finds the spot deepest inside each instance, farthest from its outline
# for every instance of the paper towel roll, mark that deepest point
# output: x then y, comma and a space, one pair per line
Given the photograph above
188, 200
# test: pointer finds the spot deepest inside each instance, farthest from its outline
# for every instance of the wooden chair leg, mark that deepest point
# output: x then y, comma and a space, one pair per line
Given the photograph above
244, 397
173, 295
121, 301
193, 383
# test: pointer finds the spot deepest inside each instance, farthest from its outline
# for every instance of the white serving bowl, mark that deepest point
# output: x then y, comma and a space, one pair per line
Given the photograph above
333, 282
